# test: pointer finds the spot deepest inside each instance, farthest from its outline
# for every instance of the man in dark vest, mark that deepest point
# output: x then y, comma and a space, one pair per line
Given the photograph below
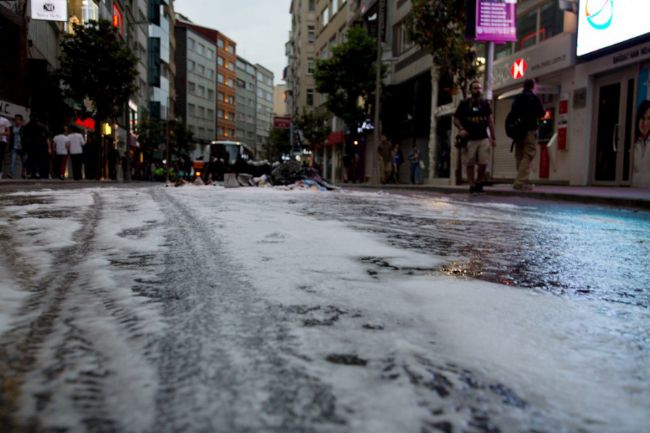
37, 146
530, 106
474, 120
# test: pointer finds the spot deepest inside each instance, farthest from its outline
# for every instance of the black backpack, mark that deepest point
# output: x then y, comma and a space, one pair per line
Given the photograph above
515, 125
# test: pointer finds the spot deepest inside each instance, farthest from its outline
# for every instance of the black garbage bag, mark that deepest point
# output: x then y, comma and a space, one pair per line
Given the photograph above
291, 172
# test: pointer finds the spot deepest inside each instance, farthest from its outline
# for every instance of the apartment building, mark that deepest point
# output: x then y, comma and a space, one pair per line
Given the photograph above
301, 56
196, 82
280, 100
162, 64
225, 73
264, 109
246, 106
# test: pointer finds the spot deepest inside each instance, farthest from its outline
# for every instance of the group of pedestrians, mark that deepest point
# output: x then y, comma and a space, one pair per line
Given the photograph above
30, 145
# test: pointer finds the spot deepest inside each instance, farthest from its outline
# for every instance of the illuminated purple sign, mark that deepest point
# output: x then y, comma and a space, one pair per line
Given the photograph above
496, 20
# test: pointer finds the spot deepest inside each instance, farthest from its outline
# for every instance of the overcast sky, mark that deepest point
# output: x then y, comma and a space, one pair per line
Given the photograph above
259, 27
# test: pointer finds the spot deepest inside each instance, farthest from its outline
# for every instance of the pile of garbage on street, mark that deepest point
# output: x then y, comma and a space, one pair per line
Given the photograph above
289, 175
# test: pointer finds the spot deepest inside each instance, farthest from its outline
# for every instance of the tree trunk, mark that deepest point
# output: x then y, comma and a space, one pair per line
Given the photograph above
433, 130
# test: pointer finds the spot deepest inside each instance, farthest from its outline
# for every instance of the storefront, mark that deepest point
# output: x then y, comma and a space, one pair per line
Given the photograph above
551, 64
614, 69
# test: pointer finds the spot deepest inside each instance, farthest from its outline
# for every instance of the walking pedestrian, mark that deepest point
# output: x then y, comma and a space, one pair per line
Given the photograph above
474, 120
15, 143
414, 163
77, 144
530, 110
61, 150
37, 145
5, 131
396, 161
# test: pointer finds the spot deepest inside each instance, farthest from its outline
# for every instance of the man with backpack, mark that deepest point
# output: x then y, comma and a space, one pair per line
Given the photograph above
521, 125
474, 118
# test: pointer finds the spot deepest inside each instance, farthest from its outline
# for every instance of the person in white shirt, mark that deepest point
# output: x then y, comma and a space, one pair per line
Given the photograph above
77, 143
5, 131
61, 149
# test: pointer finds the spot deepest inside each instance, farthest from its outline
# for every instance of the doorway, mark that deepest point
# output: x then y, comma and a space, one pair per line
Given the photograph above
613, 128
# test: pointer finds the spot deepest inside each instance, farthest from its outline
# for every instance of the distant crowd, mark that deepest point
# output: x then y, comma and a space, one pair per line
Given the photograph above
34, 153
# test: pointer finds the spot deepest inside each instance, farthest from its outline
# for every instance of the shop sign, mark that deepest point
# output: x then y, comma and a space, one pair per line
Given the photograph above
496, 20
518, 69
282, 122
49, 10
607, 23
7, 109
546, 58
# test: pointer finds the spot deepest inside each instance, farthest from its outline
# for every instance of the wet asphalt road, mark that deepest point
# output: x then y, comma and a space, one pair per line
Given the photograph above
217, 355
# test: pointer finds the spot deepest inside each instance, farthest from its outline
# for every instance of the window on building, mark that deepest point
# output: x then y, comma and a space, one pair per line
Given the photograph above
191, 87
241, 83
310, 65
201, 49
311, 34
325, 16
202, 91
190, 65
220, 131
220, 60
231, 100
220, 113
551, 21
210, 95
210, 53
527, 30
310, 97
190, 44
220, 78
230, 83
201, 70
191, 109
210, 114
220, 96
220, 43
312, 5
201, 112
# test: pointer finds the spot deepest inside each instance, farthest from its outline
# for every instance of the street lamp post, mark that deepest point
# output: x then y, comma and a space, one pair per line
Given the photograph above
374, 161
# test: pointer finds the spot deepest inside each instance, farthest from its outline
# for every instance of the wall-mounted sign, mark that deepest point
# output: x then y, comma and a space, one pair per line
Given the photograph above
518, 69
49, 10
496, 20
282, 122
8, 109
605, 23
118, 19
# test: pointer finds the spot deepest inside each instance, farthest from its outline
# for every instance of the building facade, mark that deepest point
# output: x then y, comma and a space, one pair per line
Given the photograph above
196, 83
280, 100
301, 56
225, 72
246, 106
264, 109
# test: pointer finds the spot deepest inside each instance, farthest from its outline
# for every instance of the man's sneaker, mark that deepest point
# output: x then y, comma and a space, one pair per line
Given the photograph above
522, 187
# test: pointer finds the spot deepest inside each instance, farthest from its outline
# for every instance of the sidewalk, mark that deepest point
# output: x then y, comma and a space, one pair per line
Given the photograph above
613, 196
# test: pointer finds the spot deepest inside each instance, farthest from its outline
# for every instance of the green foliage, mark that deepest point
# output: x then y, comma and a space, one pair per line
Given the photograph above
278, 144
348, 77
315, 126
439, 27
97, 64
153, 134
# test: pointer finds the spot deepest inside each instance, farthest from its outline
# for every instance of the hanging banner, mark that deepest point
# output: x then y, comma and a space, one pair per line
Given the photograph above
496, 20
50, 10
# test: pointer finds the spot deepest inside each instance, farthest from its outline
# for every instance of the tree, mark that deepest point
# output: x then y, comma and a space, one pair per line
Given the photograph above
348, 77
314, 126
439, 27
278, 143
96, 64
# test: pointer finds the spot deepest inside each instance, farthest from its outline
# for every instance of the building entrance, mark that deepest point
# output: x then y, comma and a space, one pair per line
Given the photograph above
612, 129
